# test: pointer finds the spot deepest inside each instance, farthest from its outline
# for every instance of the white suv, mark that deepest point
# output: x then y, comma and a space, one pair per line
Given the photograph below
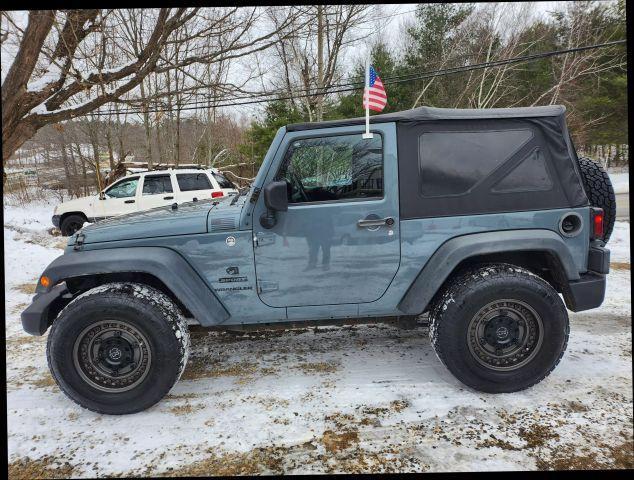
142, 191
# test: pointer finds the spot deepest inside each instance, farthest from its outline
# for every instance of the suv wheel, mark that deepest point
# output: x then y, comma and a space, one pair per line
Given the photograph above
499, 328
71, 224
118, 348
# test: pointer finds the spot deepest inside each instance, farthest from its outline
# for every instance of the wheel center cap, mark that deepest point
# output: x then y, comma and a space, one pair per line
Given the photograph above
114, 353
502, 332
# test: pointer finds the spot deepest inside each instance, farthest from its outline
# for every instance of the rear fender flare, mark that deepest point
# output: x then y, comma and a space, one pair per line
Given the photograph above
449, 255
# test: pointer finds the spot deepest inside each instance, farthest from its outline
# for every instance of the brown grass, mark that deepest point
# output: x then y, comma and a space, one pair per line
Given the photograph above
181, 396
186, 408
620, 456
45, 381
619, 266
28, 288
399, 405
335, 442
497, 442
45, 467
575, 406
24, 339
318, 367
537, 435
257, 461
201, 367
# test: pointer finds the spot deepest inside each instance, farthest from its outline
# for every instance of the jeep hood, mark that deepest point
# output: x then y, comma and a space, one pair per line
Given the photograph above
189, 218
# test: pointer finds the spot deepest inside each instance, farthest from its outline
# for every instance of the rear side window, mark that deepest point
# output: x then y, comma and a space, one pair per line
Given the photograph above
223, 181
531, 175
193, 181
340, 167
157, 184
452, 163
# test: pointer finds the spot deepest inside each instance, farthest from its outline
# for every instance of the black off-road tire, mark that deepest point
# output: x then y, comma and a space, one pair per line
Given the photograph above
71, 224
471, 292
137, 307
600, 192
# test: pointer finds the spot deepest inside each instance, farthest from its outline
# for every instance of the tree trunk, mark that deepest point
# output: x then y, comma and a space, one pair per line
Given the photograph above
109, 143
320, 63
178, 136
146, 123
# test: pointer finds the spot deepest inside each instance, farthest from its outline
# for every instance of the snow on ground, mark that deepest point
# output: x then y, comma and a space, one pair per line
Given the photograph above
620, 182
619, 243
367, 398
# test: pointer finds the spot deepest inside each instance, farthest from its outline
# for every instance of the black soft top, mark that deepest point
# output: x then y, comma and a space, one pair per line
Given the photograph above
421, 114
442, 153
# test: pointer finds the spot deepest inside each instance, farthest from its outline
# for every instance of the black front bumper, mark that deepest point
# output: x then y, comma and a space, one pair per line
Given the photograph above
38, 316
55, 220
589, 291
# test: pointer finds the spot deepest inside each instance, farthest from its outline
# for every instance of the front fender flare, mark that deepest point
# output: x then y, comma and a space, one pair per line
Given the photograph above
453, 251
163, 263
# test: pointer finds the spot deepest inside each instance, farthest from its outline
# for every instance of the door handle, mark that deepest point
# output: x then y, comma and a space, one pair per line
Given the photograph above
128, 201
168, 198
375, 222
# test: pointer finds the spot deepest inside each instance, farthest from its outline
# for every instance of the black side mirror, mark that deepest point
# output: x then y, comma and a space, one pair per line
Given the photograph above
276, 200
102, 196
275, 196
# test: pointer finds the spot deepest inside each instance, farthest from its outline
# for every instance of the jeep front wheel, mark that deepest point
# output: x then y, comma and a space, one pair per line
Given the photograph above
499, 328
118, 348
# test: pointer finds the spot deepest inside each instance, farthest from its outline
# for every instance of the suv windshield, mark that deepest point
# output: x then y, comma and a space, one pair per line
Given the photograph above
123, 189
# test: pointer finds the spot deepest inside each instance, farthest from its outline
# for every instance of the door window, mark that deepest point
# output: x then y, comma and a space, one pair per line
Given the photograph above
123, 189
157, 184
188, 182
341, 167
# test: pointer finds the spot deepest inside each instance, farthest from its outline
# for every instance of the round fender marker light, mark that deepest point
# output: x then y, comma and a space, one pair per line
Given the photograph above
45, 281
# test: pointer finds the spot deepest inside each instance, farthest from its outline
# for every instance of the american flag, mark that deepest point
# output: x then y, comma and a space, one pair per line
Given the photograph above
374, 96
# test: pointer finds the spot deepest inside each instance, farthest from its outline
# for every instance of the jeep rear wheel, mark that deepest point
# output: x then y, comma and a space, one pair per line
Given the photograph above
118, 348
499, 328
598, 187
71, 224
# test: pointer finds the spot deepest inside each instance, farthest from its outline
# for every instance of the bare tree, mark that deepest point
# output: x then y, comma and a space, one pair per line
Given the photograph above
310, 56
581, 31
61, 55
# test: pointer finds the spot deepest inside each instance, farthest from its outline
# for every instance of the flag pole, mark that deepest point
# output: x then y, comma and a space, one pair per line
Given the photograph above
367, 133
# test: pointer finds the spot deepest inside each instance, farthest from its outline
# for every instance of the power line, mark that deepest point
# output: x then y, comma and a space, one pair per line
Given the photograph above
334, 88
254, 98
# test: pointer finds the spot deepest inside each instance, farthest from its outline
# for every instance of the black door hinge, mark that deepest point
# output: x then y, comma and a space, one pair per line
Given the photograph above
255, 195
79, 241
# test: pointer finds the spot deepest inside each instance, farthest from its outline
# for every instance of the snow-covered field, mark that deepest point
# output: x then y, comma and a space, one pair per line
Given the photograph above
620, 182
368, 398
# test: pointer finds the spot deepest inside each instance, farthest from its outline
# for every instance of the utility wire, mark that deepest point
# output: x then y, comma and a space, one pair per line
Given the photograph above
255, 98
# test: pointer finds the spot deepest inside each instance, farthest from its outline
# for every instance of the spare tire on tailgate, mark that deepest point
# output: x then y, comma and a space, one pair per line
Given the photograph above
598, 187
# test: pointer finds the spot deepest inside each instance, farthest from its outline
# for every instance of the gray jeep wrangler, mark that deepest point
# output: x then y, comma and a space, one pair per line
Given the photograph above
480, 218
